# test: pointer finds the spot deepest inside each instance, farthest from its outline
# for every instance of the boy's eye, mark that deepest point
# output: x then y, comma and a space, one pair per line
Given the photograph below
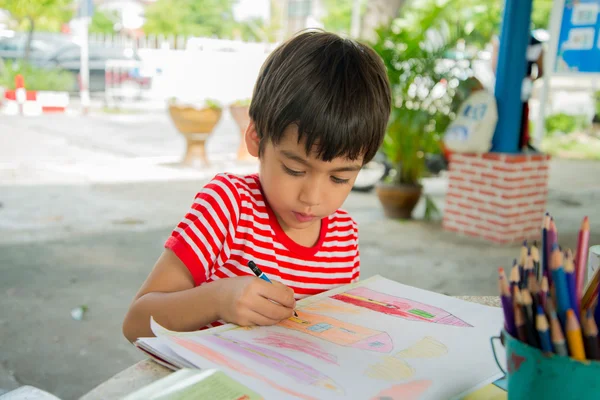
339, 181
291, 171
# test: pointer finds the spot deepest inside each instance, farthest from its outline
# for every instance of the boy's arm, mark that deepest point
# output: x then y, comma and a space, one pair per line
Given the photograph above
169, 296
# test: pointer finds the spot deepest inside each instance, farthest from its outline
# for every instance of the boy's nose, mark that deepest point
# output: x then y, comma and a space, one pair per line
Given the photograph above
310, 194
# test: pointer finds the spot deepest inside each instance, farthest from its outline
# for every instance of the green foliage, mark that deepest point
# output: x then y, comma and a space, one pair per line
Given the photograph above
35, 14
46, 15
103, 22
242, 102
213, 104
540, 14
36, 78
565, 123
339, 15
597, 99
209, 18
426, 91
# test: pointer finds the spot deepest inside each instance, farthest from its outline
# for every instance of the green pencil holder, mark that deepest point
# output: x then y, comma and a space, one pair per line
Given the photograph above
534, 375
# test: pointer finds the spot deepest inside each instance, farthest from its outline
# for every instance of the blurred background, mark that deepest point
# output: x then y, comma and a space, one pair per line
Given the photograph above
113, 113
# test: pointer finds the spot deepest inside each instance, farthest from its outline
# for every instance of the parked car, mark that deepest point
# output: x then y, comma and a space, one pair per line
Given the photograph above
129, 72
12, 45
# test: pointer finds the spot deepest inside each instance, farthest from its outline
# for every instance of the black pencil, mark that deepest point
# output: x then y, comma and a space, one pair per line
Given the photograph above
590, 337
527, 303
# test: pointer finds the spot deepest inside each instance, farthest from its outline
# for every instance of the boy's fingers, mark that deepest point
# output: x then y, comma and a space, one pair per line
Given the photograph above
271, 310
279, 293
259, 319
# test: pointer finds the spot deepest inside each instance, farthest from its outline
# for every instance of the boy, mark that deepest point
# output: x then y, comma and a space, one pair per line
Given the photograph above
319, 111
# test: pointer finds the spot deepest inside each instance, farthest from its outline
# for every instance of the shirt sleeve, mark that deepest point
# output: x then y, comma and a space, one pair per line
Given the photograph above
200, 237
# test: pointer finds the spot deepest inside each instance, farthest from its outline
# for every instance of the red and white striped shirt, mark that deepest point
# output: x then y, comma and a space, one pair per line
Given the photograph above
229, 224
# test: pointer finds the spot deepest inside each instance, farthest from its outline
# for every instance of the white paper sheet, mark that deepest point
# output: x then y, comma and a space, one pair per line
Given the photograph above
370, 340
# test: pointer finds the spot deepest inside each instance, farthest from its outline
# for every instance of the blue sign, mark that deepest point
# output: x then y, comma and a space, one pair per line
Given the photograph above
578, 46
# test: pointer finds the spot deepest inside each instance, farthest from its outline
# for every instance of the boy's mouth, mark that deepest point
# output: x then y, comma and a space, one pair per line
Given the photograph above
301, 217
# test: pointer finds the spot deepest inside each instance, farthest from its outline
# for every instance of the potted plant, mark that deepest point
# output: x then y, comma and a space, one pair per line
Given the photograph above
426, 89
239, 111
195, 123
596, 119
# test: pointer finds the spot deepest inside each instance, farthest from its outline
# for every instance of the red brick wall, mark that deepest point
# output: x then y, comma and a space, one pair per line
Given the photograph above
497, 197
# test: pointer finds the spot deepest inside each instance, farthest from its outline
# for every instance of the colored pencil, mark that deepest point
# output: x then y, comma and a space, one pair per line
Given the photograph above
522, 262
520, 323
528, 270
574, 337
507, 303
570, 277
526, 305
597, 313
556, 332
562, 292
544, 246
543, 294
581, 257
541, 324
515, 279
535, 255
591, 291
590, 337
550, 242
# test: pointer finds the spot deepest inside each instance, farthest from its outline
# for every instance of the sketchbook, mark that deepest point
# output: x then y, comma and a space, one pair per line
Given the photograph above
374, 339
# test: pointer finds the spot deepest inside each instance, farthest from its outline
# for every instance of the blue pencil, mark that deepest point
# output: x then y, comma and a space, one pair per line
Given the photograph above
563, 300
541, 324
572, 283
257, 271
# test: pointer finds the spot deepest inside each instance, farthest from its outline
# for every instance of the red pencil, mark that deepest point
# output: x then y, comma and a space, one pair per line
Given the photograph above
581, 258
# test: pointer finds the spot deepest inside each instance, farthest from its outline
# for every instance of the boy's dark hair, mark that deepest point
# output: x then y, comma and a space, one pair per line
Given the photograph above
335, 90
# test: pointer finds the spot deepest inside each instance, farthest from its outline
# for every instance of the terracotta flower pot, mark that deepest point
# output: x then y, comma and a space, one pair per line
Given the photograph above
398, 201
242, 119
196, 125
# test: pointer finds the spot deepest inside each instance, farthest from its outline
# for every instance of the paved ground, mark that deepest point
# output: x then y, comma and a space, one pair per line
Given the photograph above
86, 203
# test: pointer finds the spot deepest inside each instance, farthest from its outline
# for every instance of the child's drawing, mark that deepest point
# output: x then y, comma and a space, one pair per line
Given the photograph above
405, 391
427, 347
390, 368
398, 307
218, 358
339, 332
294, 343
394, 368
328, 306
297, 370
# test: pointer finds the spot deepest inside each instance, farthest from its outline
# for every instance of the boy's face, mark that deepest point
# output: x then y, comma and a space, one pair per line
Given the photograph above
301, 189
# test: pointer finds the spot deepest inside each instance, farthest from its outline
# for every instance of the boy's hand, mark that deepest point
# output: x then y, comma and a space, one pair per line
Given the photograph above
247, 300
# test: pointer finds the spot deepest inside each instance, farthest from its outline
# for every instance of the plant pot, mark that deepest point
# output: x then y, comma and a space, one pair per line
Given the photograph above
196, 125
242, 119
398, 201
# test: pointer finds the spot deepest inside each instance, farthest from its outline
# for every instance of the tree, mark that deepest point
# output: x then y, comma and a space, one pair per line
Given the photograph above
33, 11
339, 15
379, 13
191, 17
103, 22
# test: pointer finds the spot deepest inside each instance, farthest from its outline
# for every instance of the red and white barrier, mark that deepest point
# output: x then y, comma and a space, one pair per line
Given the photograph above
31, 102
25, 102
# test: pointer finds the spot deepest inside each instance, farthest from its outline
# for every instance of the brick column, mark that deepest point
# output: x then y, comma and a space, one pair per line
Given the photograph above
498, 197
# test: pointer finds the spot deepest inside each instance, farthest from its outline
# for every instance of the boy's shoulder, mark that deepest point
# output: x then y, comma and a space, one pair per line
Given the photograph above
341, 220
238, 186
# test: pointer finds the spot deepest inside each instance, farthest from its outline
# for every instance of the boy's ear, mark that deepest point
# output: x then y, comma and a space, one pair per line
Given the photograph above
252, 139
